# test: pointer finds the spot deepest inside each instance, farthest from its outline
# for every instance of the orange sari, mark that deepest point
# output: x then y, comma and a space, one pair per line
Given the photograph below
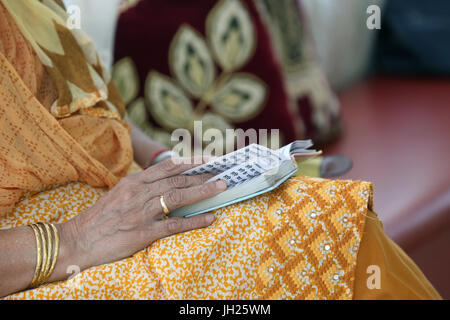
89, 145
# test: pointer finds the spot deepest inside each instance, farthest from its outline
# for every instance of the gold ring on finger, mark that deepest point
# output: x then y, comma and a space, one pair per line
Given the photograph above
164, 205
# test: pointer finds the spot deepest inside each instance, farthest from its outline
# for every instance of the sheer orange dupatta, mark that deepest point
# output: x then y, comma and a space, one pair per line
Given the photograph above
36, 148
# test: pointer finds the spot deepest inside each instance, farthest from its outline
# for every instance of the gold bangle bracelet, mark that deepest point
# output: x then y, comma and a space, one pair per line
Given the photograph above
47, 244
44, 253
38, 257
55, 250
46, 275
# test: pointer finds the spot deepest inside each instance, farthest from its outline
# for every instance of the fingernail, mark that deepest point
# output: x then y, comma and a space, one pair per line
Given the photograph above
210, 218
221, 185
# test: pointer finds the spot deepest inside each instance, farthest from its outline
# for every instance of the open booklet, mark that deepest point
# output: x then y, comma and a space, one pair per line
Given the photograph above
248, 172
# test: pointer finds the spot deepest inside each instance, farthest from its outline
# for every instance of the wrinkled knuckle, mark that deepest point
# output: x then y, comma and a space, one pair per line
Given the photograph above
168, 166
148, 208
175, 197
173, 226
178, 181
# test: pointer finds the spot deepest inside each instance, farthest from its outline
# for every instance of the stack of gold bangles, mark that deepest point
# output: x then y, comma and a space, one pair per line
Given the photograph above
47, 243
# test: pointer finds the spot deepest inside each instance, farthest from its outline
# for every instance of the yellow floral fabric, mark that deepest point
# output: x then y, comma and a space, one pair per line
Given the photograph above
298, 242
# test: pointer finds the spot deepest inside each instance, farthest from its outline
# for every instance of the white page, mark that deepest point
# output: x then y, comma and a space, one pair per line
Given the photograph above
247, 163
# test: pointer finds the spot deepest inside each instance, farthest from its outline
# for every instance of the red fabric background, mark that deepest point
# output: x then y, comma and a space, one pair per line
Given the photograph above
145, 32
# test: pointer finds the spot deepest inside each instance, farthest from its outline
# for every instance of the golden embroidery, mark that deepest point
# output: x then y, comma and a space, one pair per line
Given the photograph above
126, 78
232, 35
136, 113
221, 99
169, 106
240, 98
315, 231
191, 61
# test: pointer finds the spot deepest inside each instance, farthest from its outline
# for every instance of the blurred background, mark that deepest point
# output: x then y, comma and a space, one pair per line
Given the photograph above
394, 89
377, 91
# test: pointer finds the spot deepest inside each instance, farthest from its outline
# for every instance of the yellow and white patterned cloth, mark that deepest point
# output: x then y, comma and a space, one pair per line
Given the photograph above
298, 242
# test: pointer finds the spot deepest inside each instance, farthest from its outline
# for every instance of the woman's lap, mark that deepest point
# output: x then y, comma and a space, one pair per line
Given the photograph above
231, 259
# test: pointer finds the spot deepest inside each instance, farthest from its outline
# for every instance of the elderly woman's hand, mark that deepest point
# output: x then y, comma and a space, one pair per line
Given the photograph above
130, 216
